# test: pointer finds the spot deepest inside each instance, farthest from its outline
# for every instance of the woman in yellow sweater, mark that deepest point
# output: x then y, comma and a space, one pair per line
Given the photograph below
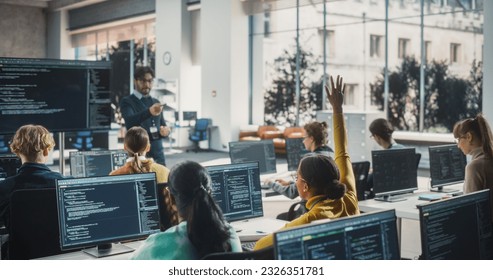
329, 187
137, 144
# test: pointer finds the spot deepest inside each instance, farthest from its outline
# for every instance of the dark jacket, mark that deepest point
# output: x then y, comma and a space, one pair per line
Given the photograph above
29, 176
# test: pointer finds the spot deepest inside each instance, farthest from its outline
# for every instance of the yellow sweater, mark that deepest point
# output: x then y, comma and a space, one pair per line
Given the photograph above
328, 208
161, 171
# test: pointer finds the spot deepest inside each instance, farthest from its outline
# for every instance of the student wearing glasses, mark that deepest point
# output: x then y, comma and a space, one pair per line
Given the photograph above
140, 109
327, 185
381, 131
315, 141
474, 138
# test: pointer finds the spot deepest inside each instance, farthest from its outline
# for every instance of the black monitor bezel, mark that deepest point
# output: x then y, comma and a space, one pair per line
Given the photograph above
439, 184
425, 208
402, 190
259, 188
339, 223
64, 247
264, 142
85, 153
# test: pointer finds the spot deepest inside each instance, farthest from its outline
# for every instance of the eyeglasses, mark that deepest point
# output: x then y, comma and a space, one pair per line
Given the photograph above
295, 178
150, 81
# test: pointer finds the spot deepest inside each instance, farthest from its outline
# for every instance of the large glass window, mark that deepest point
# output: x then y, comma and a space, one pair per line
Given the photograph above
415, 79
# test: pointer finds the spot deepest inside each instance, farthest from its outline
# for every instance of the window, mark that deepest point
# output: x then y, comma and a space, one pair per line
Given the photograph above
403, 48
455, 53
375, 46
330, 42
350, 93
427, 50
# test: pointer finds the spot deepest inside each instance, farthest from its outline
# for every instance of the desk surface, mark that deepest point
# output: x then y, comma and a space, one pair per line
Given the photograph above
404, 209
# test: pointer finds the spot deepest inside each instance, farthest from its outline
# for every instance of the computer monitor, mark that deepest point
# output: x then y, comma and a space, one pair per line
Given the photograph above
261, 151
394, 172
457, 228
96, 163
371, 236
447, 166
236, 189
9, 164
61, 95
189, 115
295, 149
96, 211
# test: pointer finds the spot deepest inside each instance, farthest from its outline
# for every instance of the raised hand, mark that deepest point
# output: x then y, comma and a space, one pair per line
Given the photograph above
336, 95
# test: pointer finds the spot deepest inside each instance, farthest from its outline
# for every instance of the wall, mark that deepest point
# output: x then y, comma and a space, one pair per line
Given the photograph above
23, 31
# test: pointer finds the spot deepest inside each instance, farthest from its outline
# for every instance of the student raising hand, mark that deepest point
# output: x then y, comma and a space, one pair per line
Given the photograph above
336, 95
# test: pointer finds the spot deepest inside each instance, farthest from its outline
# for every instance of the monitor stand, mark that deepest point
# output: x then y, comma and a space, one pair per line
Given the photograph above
110, 249
442, 190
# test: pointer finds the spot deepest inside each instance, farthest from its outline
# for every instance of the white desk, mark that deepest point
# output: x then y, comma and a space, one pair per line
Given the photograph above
79, 255
405, 210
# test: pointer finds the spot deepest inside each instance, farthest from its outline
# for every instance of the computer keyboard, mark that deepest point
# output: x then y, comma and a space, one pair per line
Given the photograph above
248, 246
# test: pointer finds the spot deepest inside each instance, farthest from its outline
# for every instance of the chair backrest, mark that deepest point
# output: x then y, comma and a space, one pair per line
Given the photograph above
361, 170
201, 124
33, 229
263, 254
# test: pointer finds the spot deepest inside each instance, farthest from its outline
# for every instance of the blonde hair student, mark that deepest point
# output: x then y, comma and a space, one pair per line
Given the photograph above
137, 144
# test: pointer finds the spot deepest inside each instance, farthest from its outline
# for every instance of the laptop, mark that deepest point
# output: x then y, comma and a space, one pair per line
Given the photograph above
96, 163
447, 168
236, 189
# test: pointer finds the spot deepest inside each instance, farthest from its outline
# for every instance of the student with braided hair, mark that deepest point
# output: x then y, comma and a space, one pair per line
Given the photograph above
137, 144
473, 137
203, 229
327, 185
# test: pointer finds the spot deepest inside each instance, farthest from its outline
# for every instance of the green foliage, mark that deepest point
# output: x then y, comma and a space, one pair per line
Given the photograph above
280, 97
448, 98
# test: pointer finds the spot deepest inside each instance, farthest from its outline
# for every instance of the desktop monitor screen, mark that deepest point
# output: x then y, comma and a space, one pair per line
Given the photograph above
261, 151
447, 165
394, 172
371, 236
96, 211
96, 163
457, 228
295, 149
236, 189
61, 95
9, 164
189, 115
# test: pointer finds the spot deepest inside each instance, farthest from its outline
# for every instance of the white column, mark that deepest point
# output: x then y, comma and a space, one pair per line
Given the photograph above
488, 61
224, 55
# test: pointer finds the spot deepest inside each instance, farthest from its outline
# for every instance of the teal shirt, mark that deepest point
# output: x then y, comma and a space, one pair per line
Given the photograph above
173, 244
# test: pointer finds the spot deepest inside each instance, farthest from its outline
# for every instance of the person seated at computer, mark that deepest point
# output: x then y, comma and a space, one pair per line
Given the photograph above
32, 144
381, 131
474, 137
137, 144
328, 186
203, 229
314, 141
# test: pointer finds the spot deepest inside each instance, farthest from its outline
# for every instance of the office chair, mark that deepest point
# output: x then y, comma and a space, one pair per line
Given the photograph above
361, 170
199, 133
33, 229
83, 141
263, 254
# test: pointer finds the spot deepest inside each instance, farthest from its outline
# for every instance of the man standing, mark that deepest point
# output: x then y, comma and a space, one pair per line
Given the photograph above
140, 109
